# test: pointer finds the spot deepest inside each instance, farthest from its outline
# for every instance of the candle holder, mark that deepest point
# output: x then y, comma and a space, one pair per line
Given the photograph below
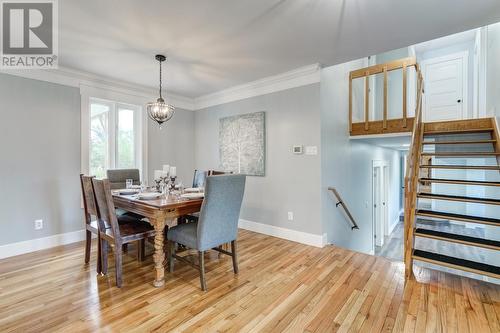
158, 183
172, 183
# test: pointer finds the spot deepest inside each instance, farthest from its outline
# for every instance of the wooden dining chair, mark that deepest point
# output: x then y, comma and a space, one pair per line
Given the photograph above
117, 234
92, 226
217, 224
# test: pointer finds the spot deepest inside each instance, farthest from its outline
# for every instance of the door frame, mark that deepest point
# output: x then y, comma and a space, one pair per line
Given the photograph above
464, 55
384, 190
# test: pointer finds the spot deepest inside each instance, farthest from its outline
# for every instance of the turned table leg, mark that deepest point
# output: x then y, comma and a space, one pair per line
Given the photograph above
159, 255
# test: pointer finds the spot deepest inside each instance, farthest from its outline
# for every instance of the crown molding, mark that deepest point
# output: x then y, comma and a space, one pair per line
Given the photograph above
295, 78
75, 78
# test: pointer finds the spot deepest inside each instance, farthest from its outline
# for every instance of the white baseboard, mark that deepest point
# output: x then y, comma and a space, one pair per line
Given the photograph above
394, 223
14, 249
289, 234
32, 245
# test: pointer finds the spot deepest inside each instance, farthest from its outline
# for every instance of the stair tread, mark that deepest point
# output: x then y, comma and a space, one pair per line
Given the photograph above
459, 217
465, 153
455, 237
458, 131
468, 264
463, 142
459, 181
473, 167
458, 198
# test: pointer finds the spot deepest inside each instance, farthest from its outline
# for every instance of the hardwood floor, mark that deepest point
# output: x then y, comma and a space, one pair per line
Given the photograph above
282, 286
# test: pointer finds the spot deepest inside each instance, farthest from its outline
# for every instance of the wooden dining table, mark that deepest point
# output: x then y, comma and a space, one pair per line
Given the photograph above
161, 213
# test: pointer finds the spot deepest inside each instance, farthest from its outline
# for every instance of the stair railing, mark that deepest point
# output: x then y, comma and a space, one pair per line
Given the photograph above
365, 73
340, 202
411, 177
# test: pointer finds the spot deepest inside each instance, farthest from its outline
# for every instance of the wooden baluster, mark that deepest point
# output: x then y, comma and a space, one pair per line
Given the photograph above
367, 98
404, 94
385, 97
350, 103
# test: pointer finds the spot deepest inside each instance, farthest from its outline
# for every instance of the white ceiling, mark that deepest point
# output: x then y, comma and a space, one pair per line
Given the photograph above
216, 44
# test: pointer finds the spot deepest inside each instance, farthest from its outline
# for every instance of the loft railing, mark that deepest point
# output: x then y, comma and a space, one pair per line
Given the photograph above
404, 124
340, 202
411, 177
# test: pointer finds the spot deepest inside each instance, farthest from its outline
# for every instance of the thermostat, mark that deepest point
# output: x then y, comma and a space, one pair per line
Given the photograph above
298, 149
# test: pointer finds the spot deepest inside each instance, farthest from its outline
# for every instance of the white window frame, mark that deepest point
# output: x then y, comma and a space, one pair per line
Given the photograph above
116, 99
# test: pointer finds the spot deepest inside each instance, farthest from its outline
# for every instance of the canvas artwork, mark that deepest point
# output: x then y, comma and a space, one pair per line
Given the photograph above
242, 143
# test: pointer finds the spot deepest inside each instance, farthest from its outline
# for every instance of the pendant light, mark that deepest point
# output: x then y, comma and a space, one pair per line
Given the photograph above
160, 111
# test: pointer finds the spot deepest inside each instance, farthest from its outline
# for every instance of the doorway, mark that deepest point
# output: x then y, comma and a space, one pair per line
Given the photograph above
380, 197
445, 80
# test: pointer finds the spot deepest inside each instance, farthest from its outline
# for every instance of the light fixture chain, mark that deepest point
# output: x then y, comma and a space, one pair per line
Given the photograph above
160, 80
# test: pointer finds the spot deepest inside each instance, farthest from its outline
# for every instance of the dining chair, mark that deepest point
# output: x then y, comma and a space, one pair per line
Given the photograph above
118, 177
199, 178
91, 222
117, 234
217, 224
218, 173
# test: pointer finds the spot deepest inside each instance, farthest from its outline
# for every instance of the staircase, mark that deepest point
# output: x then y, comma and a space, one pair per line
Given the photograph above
453, 177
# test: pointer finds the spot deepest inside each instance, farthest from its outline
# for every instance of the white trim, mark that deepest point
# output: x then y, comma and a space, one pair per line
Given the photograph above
288, 234
395, 222
32, 245
295, 78
76, 78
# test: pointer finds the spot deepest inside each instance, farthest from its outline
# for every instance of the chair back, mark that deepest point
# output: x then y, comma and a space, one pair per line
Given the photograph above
220, 211
89, 204
105, 206
218, 173
118, 177
199, 178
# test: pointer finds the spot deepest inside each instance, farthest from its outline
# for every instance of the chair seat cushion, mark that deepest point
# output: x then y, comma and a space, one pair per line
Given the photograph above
122, 212
121, 220
184, 234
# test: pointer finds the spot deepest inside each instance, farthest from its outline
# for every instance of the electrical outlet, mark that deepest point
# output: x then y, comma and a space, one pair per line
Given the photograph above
38, 224
290, 216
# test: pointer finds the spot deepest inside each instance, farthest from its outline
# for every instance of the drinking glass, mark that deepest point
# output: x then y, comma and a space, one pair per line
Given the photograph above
129, 183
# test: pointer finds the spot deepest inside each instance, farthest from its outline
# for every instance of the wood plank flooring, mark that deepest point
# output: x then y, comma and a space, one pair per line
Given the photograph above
282, 287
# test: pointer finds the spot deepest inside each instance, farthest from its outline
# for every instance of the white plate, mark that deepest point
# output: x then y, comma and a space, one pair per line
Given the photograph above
148, 195
192, 190
135, 186
128, 191
193, 195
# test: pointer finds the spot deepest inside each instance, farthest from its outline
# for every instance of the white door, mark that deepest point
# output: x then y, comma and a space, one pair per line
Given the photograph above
377, 205
445, 85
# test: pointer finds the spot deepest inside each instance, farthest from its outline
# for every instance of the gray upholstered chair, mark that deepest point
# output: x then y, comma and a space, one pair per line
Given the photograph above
117, 180
217, 224
118, 177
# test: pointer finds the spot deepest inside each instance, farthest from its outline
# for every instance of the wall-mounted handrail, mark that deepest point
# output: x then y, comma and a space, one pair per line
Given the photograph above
365, 73
341, 203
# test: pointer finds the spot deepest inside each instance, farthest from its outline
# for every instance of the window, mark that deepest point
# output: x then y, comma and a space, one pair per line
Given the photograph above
114, 138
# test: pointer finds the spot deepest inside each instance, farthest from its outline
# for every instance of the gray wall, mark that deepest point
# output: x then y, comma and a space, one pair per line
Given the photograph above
347, 165
292, 182
40, 149
493, 71
173, 145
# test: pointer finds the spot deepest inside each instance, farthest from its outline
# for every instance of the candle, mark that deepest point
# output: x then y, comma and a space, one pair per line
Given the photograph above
164, 174
166, 168
173, 171
158, 174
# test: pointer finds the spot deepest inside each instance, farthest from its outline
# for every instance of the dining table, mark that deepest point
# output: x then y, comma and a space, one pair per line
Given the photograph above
162, 213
